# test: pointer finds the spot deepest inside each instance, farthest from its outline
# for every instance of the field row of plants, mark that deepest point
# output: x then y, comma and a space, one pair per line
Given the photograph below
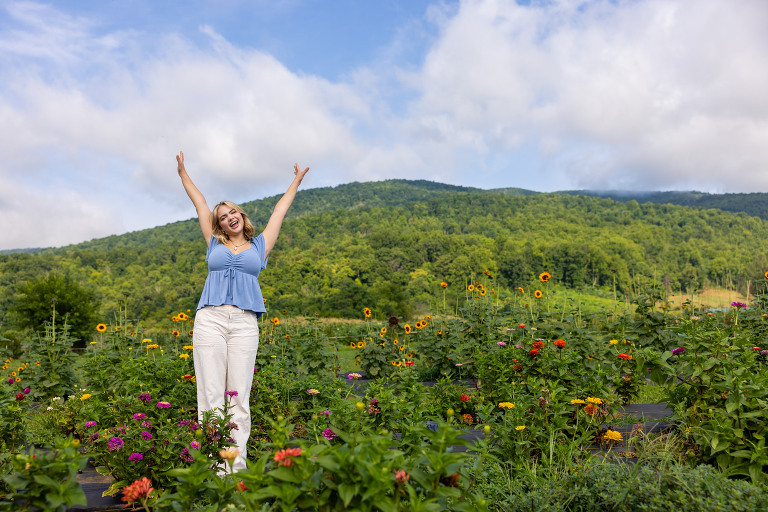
368, 415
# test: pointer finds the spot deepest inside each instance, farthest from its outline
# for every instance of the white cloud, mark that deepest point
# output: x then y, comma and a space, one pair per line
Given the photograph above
649, 94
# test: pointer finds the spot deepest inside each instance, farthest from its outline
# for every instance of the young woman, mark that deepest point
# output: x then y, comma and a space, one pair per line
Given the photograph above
226, 332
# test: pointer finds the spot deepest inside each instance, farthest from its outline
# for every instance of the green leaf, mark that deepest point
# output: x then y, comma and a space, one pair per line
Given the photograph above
347, 492
286, 475
115, 488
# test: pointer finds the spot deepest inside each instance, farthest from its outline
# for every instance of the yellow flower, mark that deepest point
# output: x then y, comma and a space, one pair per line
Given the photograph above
396, 342
94, 343
537, 294
471, 287
154, 345
383, 330
146, 340
276, 321
592, 400
187, 347
613, 342
85, 396
183, 317
506, 405
101, 327
544, 277
352, 344
402, 347
229, 454
184, 356
612, 435
367, 312
13, 374
360, 344
577, 401
175, 334
520, 427
520, 289
407, 329
445, 285
174, 319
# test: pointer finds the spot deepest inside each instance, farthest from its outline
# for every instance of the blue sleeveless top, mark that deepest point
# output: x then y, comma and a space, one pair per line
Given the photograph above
234, 278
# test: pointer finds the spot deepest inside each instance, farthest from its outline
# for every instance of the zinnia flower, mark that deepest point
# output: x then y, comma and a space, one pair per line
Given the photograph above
138, 490
738, 304
625, 356
329, 434
520, 427
135, 457
163, 405
231, 392
612, 435
283, 457
506, 405
313, 391
560, 344
533, 352
229, 454
501, 344
354, 376
90, 423
114, 443
85, 396
139, 416
146, 435
410, 363
677, 351
184, 356
465, 397
593, 400
194, 445
576, 401
145, 397
613, 342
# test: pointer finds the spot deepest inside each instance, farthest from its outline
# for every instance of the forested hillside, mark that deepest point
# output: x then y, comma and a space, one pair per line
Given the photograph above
389, 245
755, 203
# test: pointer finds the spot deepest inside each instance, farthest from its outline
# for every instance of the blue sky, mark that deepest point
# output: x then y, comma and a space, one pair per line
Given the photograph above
97, 97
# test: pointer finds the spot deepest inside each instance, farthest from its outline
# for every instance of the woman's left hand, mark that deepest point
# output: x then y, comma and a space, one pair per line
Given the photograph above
298, 172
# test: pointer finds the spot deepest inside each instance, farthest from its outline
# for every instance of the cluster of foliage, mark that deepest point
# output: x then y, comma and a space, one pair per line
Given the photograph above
535, 380
390, 244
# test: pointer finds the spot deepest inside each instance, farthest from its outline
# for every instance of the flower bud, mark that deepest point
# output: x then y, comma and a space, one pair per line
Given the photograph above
450, 412
487, 429
360, 406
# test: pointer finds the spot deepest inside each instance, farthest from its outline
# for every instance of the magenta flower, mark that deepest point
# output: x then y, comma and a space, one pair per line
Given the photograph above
677, 351
194, 445
501, 344
145, 397
139, 416
146, 435
114, 443
90, 423
231, 393
738, 304
10, 380
185, 456
353, 376
329, 434
326, 413
163, 405
135, 457
26, 391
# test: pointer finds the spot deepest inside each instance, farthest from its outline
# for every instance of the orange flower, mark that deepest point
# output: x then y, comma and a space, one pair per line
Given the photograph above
360, 344
520, 289
537, 294
276, 321
560, 343
367, 312
538, 345
445, 285
590, 409
138, 490
625, 356
175, 334
471, 287
283, 457
544, 277
407, 329
101, 327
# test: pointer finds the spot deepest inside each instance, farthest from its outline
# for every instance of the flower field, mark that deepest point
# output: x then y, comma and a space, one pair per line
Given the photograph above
342, 418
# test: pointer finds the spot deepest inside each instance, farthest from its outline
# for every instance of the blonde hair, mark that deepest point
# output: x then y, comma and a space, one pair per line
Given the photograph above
248, 229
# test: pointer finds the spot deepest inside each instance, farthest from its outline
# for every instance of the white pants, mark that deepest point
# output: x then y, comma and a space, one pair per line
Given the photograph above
225, 341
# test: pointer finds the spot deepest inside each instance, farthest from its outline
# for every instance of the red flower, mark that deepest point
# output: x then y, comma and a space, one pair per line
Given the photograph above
521, 326
533, 352
589, 409
465, 397
625, 356
241, 486
138, 490
560, 343
410, 363
20, 396
538, 345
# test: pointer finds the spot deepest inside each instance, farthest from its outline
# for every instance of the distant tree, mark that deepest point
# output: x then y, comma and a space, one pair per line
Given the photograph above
74, 305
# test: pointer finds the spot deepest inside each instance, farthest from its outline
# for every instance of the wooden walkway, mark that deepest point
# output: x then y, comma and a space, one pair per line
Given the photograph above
650, 415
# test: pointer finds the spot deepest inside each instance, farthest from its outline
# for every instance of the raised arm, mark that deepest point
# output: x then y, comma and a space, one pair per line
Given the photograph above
203, 212
281, 208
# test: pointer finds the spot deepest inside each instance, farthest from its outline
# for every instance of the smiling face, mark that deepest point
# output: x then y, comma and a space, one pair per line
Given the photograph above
229, 221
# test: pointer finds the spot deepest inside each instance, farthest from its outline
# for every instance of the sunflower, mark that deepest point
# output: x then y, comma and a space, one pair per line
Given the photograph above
285, 311
407, 329
482, 291
766, 274
183, 317
537, 294
439, 332
471, 287
175, 334
276, 321
445, 285
544, 277
396, 342
101, 327
190, 332
367, 312
360, 344
520, 289
428, 317
352, 344
487, 272
174, 318
402, 347
383, 330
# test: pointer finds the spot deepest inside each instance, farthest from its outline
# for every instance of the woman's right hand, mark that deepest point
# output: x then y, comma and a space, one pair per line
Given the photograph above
180, 160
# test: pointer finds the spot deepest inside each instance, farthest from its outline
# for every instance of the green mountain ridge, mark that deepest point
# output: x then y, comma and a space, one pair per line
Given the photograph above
388, 245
